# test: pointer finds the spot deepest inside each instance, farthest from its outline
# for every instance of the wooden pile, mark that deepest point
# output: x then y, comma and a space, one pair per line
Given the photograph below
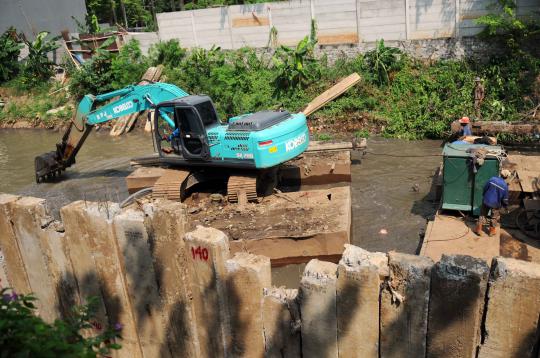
126, 123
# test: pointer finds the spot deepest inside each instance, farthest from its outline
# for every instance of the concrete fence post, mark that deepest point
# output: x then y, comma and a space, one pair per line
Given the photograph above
281, 321
140, 279
167, 226
404, 306
458, 290
513, 309
93, 251
208, 251
360, 275
247, 276
15, 270
317, 299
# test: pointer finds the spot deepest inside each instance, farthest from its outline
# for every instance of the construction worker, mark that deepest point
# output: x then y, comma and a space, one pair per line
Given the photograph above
495, 197
465, 129
479, 94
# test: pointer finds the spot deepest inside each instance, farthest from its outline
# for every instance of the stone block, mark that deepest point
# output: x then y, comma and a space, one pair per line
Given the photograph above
208, 251
247, 276
513, 309
404, 306
317, 297
281, 321
360, 276
456, 306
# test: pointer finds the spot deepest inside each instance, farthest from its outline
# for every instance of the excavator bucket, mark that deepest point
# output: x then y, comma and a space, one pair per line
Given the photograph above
47, 166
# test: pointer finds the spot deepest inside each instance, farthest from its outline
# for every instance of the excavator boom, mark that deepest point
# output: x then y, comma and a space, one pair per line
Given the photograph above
133, 99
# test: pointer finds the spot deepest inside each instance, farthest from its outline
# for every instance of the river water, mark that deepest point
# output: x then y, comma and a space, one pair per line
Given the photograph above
391, 183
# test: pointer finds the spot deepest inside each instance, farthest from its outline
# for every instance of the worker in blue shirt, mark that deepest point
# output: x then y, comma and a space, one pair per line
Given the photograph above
495, 197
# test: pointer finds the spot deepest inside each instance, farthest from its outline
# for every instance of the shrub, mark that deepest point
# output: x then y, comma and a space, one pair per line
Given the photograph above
94, 77
10, 49
168, 53
129, 65
24, 334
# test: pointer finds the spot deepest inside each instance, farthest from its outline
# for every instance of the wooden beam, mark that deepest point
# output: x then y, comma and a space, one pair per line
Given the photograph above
331, 93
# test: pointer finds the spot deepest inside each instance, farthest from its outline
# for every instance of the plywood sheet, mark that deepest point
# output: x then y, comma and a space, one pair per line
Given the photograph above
450, 235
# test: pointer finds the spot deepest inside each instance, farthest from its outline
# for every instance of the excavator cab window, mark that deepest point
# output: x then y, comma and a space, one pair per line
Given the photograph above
191, 130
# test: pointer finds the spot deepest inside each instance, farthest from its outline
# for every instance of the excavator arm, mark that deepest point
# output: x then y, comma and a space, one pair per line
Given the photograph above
133, 99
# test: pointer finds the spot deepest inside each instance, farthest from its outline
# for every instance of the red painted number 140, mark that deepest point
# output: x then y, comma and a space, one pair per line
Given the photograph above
200, 253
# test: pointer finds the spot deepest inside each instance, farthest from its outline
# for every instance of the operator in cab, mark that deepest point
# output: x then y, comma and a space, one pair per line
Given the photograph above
495, 197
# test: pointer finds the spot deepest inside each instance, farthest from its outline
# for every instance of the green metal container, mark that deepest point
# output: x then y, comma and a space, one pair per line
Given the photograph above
462, 188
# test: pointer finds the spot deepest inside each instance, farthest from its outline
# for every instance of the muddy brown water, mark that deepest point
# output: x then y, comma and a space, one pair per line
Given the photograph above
391, 185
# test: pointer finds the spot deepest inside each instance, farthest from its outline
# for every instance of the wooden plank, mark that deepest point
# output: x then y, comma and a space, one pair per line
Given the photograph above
126, 123
529, 180
331, 93
143, 178
347, 38
250, 21
449, 235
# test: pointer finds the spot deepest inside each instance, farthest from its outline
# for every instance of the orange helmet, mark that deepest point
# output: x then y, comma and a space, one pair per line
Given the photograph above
464, 120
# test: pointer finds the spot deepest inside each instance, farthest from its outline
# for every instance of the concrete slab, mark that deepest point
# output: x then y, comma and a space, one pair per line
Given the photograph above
456, 306
513, 309
173, 274
141, 286
208, 251
95, 227
360, 275
404, 306
16, 271
317, 297
28, 215
281, 323
450, 235
247, 276
288, 228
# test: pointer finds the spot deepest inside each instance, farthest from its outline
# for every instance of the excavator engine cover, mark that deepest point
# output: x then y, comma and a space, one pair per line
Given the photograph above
258, 121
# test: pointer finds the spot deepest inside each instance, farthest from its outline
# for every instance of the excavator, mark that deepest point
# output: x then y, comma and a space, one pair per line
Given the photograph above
189, 137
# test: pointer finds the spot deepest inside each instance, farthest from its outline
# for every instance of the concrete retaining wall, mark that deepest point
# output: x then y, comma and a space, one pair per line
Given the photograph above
181, 293
352, 23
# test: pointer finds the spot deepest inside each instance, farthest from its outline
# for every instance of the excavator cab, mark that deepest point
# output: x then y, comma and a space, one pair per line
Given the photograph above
191, 116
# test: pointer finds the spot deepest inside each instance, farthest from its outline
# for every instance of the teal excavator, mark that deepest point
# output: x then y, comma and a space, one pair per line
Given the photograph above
186, 133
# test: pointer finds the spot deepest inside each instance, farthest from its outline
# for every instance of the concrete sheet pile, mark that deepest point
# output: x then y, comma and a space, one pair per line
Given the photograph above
182, 293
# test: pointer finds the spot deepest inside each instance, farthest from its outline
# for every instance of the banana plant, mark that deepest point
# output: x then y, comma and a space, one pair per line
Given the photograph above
381, 61
37, 67
297, 66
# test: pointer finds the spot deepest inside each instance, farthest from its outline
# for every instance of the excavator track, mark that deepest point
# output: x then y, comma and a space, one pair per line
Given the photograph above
242, 189
168, 186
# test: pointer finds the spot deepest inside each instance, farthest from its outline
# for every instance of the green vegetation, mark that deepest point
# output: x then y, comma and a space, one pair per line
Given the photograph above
9, 53
24, 334
398, 96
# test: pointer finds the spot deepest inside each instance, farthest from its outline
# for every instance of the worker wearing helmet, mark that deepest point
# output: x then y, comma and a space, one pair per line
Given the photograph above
495, 197
465, 129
